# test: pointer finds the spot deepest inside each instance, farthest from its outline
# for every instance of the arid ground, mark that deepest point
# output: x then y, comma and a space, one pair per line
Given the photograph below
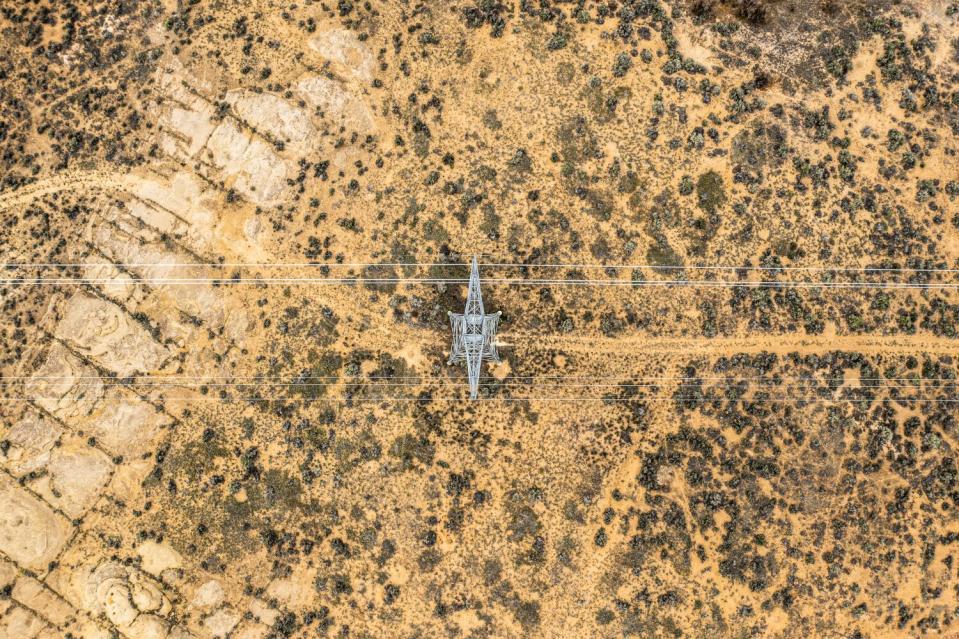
723, 236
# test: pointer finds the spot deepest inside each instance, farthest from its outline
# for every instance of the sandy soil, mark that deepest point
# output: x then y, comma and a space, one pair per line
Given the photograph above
227, 411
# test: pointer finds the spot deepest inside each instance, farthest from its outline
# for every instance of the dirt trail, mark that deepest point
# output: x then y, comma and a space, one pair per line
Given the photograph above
780, 344
65, 181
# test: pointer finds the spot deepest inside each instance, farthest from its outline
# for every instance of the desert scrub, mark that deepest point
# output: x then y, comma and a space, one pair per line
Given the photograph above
486, 12
926, 190
710, 192
622, 65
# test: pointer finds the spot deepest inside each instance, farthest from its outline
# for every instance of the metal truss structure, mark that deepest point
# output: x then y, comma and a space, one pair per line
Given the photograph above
474, 333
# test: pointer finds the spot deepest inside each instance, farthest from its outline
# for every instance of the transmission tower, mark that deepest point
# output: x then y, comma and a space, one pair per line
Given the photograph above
474, 332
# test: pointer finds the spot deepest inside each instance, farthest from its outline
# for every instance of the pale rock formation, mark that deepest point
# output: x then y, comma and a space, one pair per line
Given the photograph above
75, 475
220, 623
268, 113
251, 229
89, 629
31, 533
120, 592
188, 122
208, 596
126, 428
156, 208
262, 612
294, 592
109, 593
158, 558
31, 442
8, 572
181, 198
34, 595
128, 478
179, 632
336, 103
148, 627
164, 271
248, 161
64, 385
237, 149
106, 588
20, 623
191, 201
176, 207
191, 130
114, 283
105, 333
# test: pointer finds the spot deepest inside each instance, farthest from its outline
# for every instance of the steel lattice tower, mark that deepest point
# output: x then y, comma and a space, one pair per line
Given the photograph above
474, 332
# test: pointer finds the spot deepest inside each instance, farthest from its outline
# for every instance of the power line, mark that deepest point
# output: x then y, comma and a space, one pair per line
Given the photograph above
861, 384
486, 377
654, 267
346, 379
501, 399
523, 387
759, 284
512, 385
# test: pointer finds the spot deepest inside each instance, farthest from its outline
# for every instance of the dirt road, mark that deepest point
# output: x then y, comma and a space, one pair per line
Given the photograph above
67, 181
780, 344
